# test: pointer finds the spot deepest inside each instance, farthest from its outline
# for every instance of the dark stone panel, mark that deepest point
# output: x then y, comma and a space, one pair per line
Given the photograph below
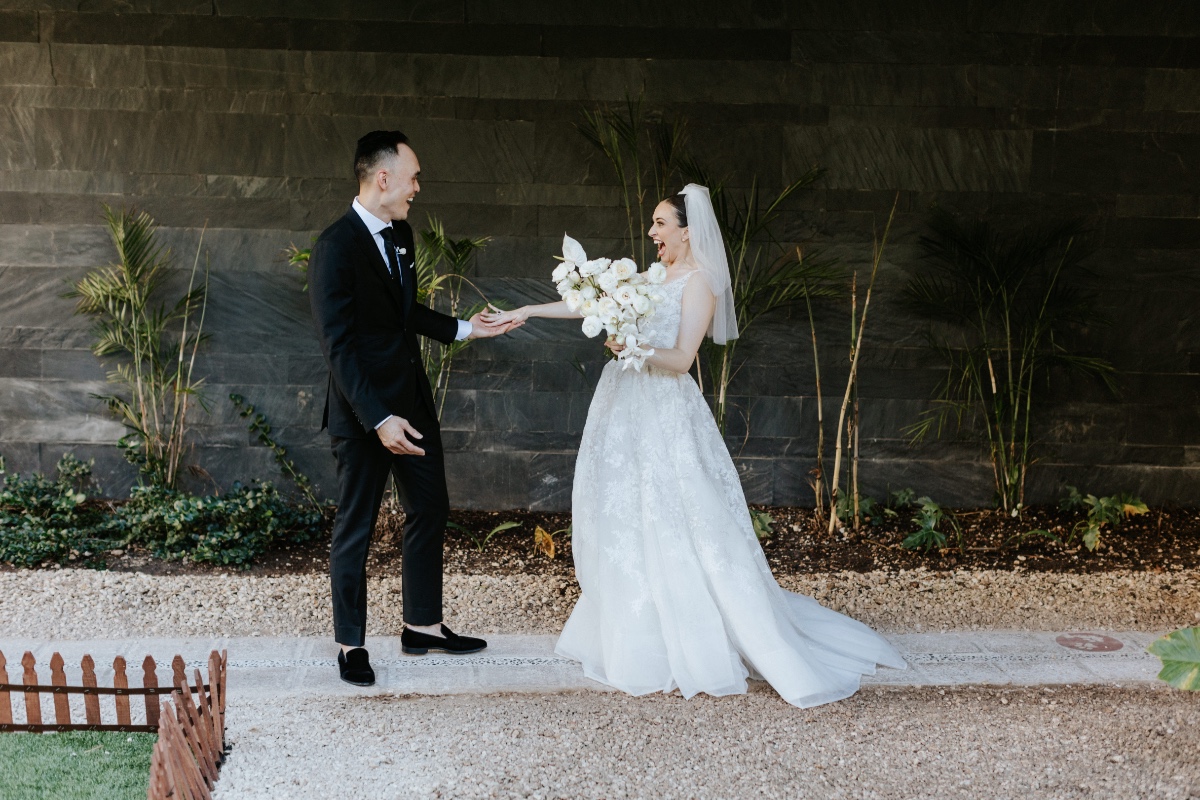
389, 10
458, 412
758, 479
913, 47
515, 410
726, 44
1155, 485
18, 26
631, 13
20, 363
463, 441
1105, 17
920, 159
161, 142
80, 365
491, 480
17, 139
1102, 162
20, 458
165, 29
1159, 234
1061, 87
894, 85
359, 35
1169, 52
550, 482
933, 15
1173, 90
415, 37
27, 66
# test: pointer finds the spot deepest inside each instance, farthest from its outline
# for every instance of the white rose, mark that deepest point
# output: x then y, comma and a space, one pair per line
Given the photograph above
638, 279
594, 267
641, 304
590, 308
607, 307
624, 295
560, 272
592, 326
625, 268
573, 299
657, 272
589, 292
574, 277
564, 286
608, 281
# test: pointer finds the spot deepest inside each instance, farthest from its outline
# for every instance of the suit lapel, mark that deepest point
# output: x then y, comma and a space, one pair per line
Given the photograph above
371, 253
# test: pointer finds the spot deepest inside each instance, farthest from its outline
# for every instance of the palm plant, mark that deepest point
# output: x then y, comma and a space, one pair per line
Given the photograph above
1000, 307
644, 151
441, 265
156, 343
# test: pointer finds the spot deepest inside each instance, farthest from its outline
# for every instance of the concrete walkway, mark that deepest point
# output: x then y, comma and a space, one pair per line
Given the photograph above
266, 667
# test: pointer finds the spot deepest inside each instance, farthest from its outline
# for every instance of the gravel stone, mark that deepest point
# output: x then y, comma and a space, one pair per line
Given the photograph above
90, 604
881, 743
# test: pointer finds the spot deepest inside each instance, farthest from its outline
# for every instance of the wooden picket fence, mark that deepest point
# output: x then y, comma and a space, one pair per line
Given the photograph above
191, 733
191, 738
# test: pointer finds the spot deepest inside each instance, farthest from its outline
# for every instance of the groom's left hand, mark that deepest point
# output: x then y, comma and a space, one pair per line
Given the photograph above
481, 329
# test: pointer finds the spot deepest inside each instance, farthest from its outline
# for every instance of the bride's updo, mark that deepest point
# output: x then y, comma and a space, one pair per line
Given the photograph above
679, 203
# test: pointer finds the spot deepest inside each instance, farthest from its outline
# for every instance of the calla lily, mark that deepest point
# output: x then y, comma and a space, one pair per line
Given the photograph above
573, 251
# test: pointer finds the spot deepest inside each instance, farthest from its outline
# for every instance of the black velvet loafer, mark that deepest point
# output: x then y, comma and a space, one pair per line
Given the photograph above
355, 666
418, 644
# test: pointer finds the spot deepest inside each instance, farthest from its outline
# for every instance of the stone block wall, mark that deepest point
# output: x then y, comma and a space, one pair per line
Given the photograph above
239, 117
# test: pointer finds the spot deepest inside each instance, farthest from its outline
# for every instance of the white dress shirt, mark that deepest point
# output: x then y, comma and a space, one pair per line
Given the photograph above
375, 225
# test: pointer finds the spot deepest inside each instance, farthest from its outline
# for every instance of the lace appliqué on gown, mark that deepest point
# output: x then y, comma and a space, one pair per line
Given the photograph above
676, 591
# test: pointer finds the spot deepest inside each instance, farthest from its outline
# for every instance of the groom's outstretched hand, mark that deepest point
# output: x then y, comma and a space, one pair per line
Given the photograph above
395, 435
484, 325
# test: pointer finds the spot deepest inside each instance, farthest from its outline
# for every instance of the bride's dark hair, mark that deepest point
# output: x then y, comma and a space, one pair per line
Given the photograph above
679, 203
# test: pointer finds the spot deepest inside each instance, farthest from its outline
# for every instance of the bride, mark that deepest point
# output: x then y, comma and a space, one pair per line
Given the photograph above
676, 591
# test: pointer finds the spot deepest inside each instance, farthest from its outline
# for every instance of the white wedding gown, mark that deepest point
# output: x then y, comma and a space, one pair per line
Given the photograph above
676, 591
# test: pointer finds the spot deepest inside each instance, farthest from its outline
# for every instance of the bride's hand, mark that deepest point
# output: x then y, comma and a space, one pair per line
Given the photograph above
611, 344
497, 316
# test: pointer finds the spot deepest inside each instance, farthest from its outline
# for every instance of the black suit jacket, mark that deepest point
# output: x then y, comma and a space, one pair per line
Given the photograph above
368, 329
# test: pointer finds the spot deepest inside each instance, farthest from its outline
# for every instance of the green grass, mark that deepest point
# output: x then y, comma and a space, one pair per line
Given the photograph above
76, 765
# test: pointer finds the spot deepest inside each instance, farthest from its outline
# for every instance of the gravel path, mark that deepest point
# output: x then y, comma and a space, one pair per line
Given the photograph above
91, 604
882, 743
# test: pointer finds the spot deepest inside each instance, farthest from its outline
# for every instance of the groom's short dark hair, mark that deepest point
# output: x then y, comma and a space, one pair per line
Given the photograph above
373, 148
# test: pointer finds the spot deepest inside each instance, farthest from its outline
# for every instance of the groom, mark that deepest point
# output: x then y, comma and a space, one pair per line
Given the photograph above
379, 408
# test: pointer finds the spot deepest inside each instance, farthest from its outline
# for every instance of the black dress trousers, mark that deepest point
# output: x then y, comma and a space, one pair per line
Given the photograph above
362, 471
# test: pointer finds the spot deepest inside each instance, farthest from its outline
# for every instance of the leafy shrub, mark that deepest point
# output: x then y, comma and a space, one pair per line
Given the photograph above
232, 528
51, 520
43, 519
762, 522
929, 516
1101, 511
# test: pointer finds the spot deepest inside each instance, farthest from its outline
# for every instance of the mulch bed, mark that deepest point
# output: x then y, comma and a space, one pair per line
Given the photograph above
1163, 539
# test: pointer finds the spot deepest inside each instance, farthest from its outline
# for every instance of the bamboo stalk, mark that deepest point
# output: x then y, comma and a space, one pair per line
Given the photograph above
837, 463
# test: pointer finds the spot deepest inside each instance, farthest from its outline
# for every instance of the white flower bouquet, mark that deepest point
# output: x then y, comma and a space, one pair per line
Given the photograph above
612, 296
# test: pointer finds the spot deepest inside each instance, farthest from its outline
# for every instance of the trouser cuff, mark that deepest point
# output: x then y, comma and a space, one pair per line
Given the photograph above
352, 637
423, 616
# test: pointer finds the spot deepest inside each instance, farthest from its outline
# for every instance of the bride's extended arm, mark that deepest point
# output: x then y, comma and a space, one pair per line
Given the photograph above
557, 310
697, 311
